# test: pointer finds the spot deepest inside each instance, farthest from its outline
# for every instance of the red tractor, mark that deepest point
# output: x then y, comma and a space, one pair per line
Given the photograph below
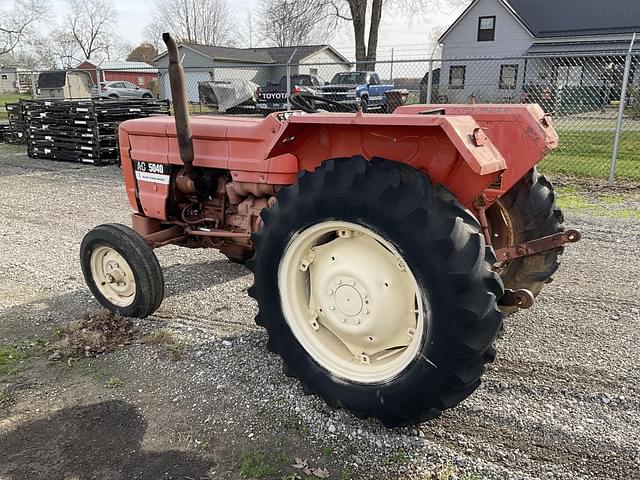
385, 248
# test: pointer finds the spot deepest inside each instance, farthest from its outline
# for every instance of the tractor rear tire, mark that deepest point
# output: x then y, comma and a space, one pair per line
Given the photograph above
121, 270
530, 207
381, 255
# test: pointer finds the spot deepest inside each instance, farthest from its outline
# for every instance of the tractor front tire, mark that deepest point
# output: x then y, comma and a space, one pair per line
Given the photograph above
376, 290
527, 212
122, 271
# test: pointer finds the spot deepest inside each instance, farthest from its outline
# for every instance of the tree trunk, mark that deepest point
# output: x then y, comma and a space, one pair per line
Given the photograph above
374, 29
359, 16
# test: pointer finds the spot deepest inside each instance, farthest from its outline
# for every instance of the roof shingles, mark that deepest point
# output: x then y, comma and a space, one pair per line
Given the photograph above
270, 55
568, 18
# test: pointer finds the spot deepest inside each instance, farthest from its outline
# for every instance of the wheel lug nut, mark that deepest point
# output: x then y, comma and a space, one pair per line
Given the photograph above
330, 292
332, 307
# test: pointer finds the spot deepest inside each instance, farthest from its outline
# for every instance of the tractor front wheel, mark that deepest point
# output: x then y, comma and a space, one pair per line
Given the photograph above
121, 270
376, 290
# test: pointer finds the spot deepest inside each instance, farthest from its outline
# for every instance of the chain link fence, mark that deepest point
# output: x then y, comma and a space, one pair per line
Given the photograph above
586, 94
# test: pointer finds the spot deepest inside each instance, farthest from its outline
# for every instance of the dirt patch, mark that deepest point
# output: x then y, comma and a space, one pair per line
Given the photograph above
95, 333
64, 445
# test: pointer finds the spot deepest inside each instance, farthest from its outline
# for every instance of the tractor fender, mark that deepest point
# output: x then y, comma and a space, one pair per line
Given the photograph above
451, 150
463, 131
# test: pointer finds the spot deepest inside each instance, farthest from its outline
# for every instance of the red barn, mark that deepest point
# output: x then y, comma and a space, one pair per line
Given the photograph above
138, 73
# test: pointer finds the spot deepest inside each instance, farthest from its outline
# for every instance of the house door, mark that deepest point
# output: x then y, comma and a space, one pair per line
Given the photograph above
567, 81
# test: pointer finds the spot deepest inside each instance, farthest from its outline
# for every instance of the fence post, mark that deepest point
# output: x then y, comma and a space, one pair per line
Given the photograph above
430, 81
34, 85
623, 97
289, 79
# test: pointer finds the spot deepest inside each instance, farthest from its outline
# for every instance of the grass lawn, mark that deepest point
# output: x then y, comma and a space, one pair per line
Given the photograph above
9, 98
588, 153
599, 204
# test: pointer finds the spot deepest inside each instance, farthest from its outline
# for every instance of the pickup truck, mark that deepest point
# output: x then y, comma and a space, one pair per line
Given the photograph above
348, 87
274, 97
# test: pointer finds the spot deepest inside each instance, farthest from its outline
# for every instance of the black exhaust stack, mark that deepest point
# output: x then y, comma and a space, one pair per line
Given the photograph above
180, 104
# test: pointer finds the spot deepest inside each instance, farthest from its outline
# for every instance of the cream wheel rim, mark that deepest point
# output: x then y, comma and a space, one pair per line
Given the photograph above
113, 276
351, 301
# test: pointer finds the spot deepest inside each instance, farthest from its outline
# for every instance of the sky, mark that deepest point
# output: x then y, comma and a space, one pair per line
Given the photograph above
409, 38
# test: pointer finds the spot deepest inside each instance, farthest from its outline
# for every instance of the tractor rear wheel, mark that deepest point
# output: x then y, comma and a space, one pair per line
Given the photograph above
526, 212
376, 290
121, 270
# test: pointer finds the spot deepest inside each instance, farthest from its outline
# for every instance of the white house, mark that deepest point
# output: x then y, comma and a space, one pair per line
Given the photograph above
260, 65
538, 48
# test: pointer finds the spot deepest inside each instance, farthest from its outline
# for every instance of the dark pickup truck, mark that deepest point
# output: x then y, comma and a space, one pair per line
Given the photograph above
274, 97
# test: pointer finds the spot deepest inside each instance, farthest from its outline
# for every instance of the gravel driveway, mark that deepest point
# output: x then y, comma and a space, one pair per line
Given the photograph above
562, 399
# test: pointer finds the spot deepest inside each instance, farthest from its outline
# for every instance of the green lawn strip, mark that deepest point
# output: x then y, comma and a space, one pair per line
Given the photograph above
601, 205
9, 98
588, 154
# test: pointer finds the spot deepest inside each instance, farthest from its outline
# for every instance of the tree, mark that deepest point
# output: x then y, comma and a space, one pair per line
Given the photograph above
145, 52
286, 23
16, 20
90, 23
362, 12
247, 30
207, 22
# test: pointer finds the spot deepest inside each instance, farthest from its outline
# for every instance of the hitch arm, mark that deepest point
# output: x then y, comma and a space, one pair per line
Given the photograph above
538, 245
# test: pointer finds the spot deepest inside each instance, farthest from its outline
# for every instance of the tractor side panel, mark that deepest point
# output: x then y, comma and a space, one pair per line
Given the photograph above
152, 185
127, 168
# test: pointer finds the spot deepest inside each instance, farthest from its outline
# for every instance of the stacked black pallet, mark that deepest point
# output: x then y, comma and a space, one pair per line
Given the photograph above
5, 129
82, 130
17, 131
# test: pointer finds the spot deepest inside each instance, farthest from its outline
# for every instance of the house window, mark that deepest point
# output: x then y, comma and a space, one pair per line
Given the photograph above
508, 76
141, 81
5, 77
456, 76
313, 71
486, 29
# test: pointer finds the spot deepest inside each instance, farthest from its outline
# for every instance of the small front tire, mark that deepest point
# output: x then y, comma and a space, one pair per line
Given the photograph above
122, 271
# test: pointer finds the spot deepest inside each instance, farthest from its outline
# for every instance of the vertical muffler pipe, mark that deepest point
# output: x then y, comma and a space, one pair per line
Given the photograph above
180, 104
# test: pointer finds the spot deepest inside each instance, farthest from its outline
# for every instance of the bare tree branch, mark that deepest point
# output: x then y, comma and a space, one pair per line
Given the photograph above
207, 22
16, 20
370, 12
285, 23
90, 23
